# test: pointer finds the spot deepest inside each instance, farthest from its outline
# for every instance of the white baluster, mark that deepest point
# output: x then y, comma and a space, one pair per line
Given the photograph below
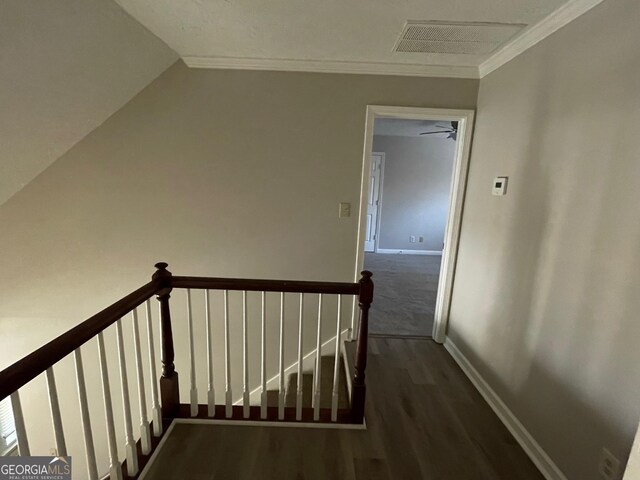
245, 358
263, 369
211, 392
145, 431
299, 382
227, 359
89, 449
336, 363
317, 373
115, 469
352, 329
54, 405
130, 443
156, 414
281, 358
21, 431
192, 359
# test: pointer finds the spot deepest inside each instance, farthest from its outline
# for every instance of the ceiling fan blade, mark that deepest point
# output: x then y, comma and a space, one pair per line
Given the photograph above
431, 133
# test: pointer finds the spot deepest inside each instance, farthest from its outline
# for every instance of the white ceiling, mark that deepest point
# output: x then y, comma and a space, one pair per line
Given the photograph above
67, 65
399, 127
246, 33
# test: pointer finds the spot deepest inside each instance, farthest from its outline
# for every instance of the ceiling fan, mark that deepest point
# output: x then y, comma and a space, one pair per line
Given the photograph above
452, 131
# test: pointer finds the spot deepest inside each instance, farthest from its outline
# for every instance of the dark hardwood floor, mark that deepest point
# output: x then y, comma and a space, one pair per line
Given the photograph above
425, 420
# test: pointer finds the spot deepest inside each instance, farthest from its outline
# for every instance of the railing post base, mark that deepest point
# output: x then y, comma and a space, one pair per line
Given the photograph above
169, 395
359, 389
358, 394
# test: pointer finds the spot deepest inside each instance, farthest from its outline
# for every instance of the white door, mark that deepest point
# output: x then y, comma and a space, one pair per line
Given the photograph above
371, 232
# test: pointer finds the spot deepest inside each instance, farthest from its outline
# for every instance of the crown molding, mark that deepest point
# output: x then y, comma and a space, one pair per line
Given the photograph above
527, 39
329, 66
536, 33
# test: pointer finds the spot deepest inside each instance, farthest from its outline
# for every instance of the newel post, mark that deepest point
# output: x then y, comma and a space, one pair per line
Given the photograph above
359, 389
169, 393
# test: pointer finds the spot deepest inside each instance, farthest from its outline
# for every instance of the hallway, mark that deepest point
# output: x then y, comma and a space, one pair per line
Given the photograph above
425, 420
405, 293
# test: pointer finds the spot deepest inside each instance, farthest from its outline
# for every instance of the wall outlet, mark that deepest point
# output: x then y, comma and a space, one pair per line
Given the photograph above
609, 466
412, 239
420, 239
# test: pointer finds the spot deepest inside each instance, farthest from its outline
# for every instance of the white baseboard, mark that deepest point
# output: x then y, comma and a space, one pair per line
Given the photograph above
409, 252
536, 453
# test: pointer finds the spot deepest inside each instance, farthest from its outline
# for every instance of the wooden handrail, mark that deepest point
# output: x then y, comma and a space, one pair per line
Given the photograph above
161, 285
26, 369
29, 367
258, 285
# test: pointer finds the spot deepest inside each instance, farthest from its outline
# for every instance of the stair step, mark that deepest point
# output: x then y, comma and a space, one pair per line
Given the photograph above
326, 387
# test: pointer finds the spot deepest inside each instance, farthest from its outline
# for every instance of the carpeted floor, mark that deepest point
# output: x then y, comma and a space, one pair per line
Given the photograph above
405, 293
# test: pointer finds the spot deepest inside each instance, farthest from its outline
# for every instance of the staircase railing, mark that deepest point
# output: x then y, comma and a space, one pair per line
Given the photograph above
164, 405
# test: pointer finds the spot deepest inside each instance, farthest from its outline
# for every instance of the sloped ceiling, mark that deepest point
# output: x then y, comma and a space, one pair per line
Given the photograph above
65, 67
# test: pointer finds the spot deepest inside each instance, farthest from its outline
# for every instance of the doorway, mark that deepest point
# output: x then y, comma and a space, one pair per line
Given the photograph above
411, 246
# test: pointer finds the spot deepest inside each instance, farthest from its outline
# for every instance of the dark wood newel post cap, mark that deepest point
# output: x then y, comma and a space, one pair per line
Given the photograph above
161, 270
163, 275
366, 288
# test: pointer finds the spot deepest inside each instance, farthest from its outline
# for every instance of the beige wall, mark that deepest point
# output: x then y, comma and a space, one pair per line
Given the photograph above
223, 173
417, 182
545, 301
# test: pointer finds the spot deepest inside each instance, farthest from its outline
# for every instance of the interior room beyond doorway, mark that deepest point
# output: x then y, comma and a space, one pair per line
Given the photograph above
408, 206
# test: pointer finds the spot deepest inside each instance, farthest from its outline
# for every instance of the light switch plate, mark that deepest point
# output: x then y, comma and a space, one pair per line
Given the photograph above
345, 210
500, 186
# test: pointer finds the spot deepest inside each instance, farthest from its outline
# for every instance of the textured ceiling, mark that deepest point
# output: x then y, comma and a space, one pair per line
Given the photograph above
67, 65
310, 30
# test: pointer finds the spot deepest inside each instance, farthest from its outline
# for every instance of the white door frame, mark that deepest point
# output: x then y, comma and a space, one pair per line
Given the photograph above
456, 199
